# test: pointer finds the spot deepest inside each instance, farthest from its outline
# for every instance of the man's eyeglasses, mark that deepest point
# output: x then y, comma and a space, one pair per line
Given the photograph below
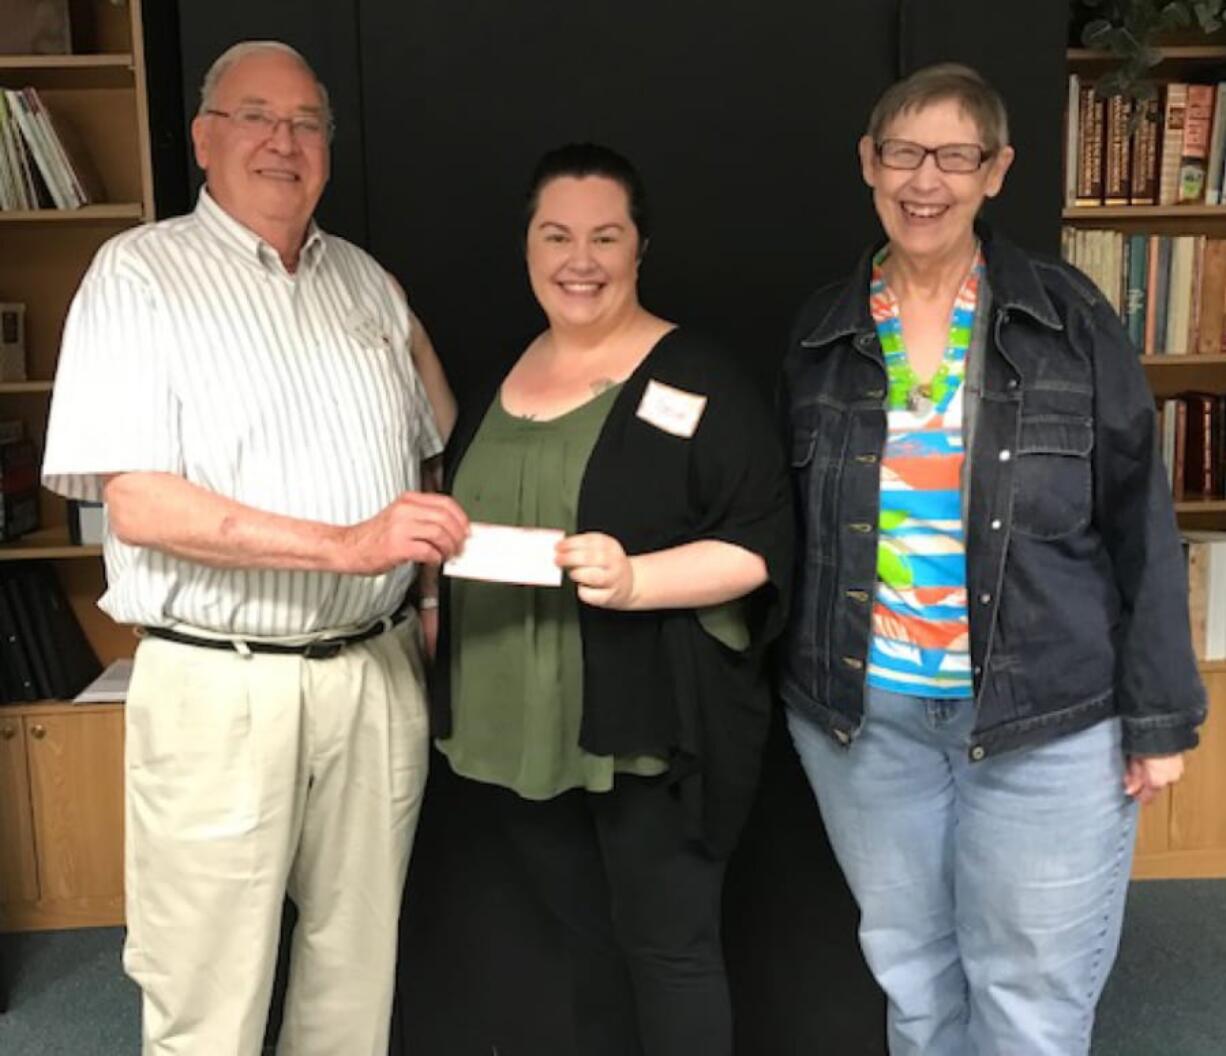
259, 123
950, 157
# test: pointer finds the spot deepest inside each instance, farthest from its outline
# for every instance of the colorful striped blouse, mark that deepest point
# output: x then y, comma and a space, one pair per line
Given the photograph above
921, 640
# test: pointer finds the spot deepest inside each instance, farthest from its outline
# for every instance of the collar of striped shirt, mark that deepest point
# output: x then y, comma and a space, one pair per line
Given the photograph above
247, 244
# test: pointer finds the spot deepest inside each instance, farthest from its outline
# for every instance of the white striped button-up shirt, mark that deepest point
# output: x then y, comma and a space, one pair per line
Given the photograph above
189, 349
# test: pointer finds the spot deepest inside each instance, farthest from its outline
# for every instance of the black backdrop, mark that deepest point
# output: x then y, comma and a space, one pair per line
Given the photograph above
743, 119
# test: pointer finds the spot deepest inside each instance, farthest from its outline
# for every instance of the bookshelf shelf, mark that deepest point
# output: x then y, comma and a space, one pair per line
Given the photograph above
64, 62
18, 387
45, 543
1201, 506
1094, 213
87, 214
1171, 375
1173, 53
68, 71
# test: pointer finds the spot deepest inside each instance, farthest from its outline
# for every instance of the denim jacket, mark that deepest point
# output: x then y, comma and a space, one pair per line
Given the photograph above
1076, 589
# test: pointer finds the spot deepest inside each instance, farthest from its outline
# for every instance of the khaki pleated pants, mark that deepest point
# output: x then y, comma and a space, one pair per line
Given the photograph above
250, 776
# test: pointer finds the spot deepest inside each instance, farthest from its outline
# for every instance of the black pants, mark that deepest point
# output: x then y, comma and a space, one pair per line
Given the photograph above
639, 906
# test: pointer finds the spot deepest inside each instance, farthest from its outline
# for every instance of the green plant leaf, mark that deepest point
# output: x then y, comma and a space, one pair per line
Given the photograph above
1175, 16
1150, 57
1096, 34
1206, 15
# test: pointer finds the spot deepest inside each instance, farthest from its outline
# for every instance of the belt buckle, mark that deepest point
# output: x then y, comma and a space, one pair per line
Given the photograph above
322, 650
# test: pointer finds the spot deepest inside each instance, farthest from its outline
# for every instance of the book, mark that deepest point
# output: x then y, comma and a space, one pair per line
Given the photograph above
1198, 122
19, 683
37, 149
18, 489
110, 686
1207, 593
86, 523
1200, 461
1071, 114
1149, 347
1212, 296
1134, 298
1144, 187
1174, 106
1179, 295
1090, 148
1116, 158
1217, 147
12, 341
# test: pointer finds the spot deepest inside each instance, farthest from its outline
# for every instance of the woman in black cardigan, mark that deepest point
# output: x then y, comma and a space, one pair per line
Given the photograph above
618, 720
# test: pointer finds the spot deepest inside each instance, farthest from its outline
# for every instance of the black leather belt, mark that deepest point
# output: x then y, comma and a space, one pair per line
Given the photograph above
321, 649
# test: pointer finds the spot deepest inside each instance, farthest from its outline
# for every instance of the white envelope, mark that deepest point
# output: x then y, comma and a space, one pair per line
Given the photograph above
500, 553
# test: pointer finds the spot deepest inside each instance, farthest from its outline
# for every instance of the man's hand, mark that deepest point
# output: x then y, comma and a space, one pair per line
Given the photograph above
1146, 776
416, 527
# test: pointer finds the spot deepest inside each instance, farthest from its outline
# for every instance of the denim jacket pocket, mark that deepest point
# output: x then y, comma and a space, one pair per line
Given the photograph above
1052, 476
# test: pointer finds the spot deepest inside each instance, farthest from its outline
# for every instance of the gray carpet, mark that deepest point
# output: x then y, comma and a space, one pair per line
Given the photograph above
1167, 996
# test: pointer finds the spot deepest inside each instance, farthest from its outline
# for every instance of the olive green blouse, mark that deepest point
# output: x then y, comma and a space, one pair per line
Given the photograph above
517, 656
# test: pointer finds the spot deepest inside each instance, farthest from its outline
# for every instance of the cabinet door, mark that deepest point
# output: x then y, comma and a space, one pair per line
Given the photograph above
18, 871
76, 778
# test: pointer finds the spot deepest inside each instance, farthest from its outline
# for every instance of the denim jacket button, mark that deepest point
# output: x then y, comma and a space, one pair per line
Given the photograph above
867, 459
996, 524
978, 670
985, 598
854, 663
861, 527
1005, 455
977, 753
864, 340
1013, 383
857, 595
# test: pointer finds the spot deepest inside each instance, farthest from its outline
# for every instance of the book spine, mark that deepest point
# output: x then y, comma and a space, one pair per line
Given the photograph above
1072, 113
1198, 120
1212, 294
1172, 143
1144, 189
1217, 147
1115, 174
1134, 301
1149, 346
1089, 148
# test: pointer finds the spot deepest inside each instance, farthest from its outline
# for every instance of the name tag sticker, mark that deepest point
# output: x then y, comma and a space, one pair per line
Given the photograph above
365, 328
672, 410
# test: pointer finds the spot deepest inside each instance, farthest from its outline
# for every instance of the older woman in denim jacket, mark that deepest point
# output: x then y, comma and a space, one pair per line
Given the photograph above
988, 662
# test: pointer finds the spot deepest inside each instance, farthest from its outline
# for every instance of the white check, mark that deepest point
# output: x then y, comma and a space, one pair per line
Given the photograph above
502, 554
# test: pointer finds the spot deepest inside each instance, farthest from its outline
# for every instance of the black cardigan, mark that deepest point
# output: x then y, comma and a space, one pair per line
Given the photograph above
656, 682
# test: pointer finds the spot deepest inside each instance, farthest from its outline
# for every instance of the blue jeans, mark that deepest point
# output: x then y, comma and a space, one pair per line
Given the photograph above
992, 893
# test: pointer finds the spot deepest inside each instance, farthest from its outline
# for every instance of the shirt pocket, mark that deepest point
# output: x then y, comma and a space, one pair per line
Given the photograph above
1053, 476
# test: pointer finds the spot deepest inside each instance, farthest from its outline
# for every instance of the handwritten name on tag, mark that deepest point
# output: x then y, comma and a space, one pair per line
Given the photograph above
499, 553
673, 410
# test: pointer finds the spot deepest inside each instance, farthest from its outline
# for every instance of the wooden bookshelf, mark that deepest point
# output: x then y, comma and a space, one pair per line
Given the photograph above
1180, 53
122, 213
61, 765
1183, 832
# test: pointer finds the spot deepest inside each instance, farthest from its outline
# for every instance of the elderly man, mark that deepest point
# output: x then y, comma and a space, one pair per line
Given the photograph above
238, 387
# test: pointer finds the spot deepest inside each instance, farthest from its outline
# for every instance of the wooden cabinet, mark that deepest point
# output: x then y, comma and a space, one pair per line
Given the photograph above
1183, 832
61, 769
61, 859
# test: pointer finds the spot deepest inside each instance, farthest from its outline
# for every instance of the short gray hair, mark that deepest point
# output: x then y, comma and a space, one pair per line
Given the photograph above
941, 83
237, 52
